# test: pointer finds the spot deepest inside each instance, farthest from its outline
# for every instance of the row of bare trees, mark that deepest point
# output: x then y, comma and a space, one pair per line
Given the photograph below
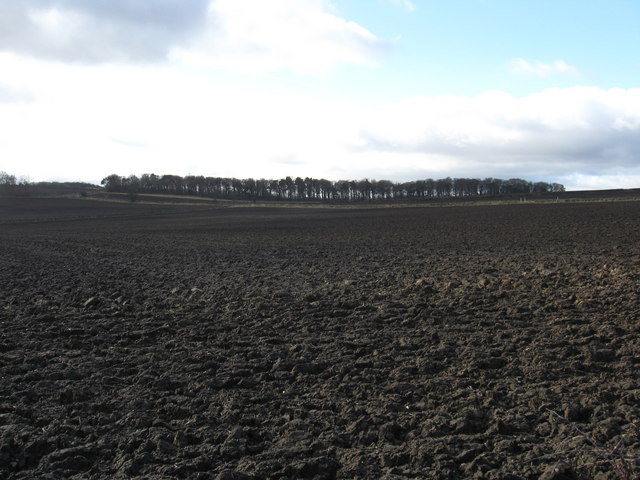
313, 189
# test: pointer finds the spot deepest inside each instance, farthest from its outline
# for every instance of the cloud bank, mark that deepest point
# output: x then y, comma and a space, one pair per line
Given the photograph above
303, 36
554, 133
91, 121
246, 35
98, 30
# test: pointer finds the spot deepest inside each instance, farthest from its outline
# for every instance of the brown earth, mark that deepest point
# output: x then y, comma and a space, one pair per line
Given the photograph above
158, 342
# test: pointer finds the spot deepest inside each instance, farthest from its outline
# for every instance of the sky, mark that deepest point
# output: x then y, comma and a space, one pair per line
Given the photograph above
544, 90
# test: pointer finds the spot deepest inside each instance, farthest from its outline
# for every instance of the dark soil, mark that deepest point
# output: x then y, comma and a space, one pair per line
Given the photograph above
142, 341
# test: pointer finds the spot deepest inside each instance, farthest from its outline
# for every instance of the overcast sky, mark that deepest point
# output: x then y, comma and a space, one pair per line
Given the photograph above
341, 89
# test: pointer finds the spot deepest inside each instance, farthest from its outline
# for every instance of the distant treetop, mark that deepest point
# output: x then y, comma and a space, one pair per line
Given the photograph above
312, 189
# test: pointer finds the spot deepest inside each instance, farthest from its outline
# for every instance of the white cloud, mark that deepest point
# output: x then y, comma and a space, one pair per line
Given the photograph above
553, 133
98, 30
618, 178
245, 35
90, 121
14, 94
257, 36
520, 66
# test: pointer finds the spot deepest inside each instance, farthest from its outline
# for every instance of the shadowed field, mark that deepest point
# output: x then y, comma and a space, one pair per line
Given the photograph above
178, 341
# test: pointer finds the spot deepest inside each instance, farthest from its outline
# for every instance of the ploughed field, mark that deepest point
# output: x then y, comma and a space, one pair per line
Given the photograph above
150, 341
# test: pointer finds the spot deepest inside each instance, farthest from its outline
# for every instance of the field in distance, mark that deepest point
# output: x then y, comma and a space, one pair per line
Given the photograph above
199, 341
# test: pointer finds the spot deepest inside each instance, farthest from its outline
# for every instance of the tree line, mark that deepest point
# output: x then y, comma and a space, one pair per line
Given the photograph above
312, 189
10, 185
